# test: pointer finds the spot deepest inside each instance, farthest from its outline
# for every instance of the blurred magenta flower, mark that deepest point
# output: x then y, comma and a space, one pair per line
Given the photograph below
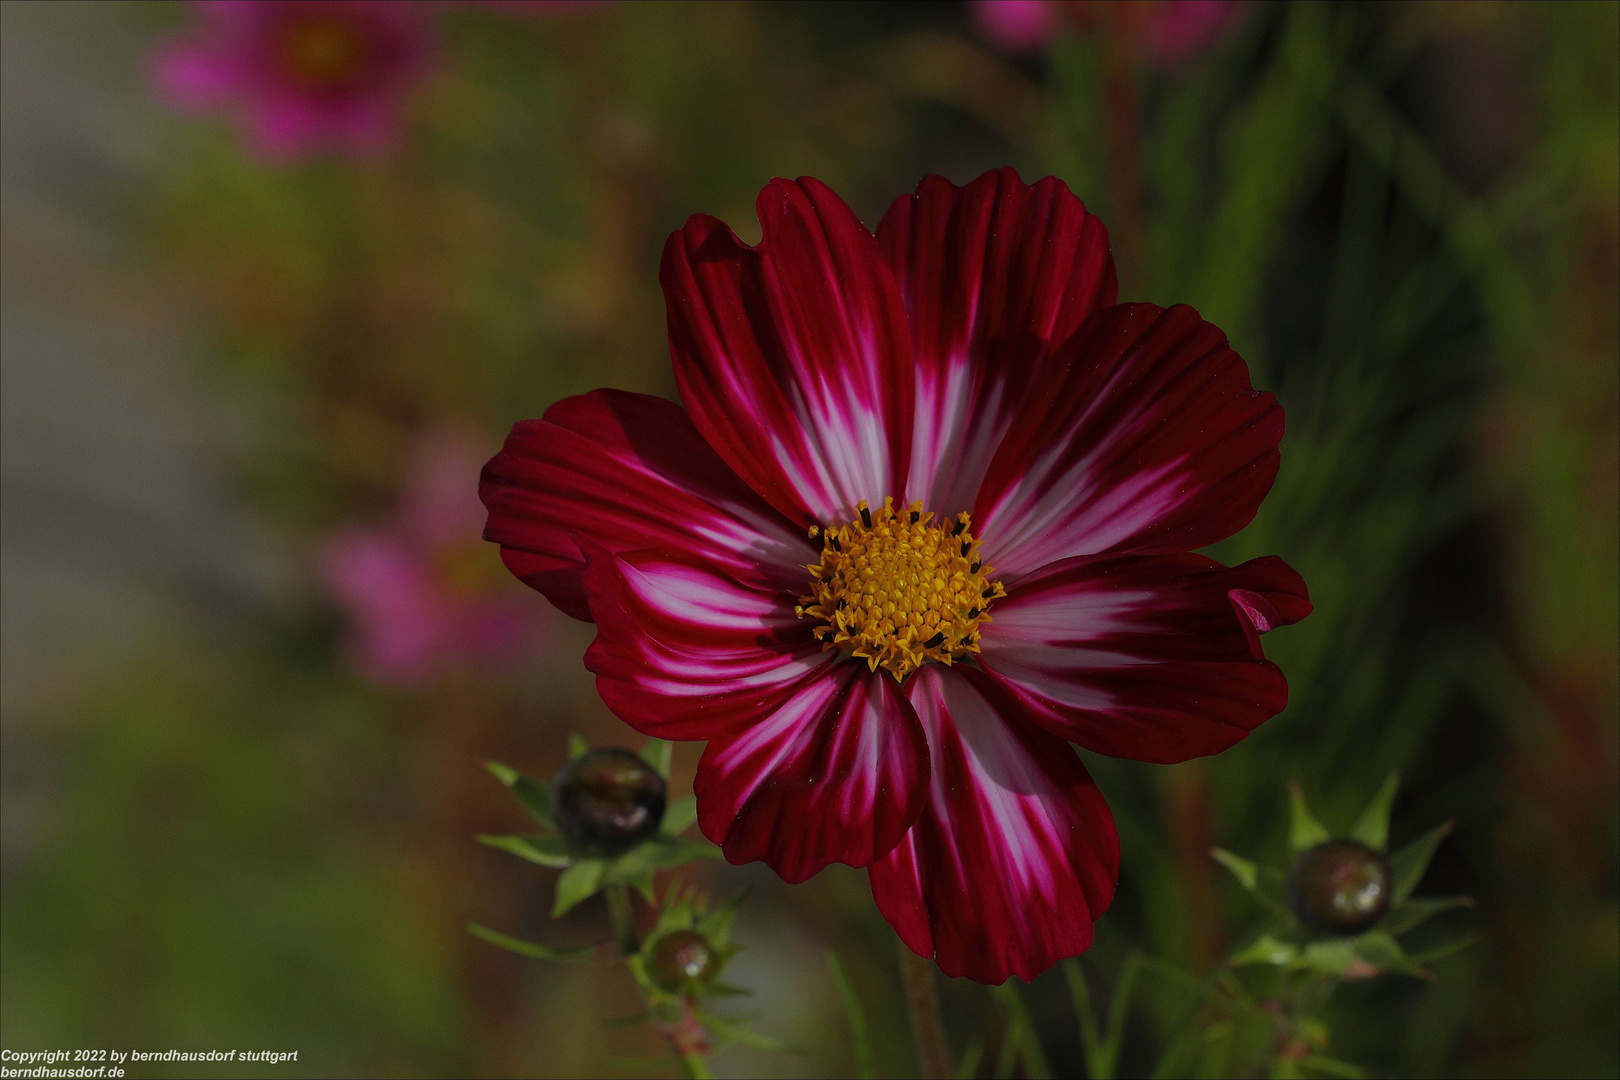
1168, 32
421, 594
302, 76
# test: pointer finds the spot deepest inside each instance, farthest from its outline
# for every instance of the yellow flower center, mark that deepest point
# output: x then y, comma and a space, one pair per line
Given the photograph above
899, 590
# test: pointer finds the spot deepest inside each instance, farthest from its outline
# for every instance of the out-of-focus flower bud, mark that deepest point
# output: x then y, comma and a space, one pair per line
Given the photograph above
1339, 887
607, 801
681, 961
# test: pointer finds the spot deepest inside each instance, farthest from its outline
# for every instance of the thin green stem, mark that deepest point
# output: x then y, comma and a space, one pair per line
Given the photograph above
624, 923
696, 1067
927, 1024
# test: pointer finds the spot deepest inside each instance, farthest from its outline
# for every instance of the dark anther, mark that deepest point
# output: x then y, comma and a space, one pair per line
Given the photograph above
840, 603
960, 525
974, 569
833, 540
937, 639
973, 613
916, 516
866, 517
967, 546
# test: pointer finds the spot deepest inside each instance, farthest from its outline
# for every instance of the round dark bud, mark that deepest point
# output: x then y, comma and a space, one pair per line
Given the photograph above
680, 961
608, 801
1339, 887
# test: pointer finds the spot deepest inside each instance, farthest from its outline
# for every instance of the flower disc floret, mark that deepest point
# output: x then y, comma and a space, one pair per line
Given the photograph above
899, 590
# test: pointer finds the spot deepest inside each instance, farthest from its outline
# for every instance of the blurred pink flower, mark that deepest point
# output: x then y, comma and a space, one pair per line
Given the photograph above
301, 76
421, 595
1019, 26
1169, 32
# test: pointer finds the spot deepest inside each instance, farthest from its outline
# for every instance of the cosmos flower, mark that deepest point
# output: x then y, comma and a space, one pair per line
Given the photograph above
924, 520
418, 600
1171, 32
302, 76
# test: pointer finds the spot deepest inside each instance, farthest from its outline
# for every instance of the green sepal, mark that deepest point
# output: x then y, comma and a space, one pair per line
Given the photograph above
577, 747
1304, 831
1332, 956
733, 1031
679, 816
1407, 865
577, 883
1450, 948
716, 925
1414, 913
1372, 827
1245, 871
534, 795
530, 948
1266, 949
550, 851
1380, 949
659, 754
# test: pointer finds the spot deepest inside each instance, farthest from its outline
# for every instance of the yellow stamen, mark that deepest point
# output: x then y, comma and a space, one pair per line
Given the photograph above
899, 591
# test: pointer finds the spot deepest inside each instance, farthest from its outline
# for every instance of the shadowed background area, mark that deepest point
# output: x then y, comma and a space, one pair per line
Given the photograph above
254, 651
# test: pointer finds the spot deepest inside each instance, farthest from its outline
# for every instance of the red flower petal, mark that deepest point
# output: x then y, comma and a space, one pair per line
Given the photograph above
836, 774
627, 471
994, 275
1143, 436
1153, 658
1015, 854
683, 651
793, 357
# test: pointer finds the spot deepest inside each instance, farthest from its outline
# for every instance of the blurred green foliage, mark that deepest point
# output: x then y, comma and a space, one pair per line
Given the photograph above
249, 848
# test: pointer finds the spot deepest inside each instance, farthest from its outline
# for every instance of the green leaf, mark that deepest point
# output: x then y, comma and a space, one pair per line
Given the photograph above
678, 851
1304, 831
529, 948
716, 925
577, 883
679, 816
659, 754
1266, 949
535, 796
1414, 913
544, 850
1372, 827
1407, 865
729, 1031
1245, 871
864, 1067
577, 748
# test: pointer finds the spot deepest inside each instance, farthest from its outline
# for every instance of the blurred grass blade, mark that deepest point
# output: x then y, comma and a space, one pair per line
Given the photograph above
1245, 871
969, 1065
1333, 1067
529, 948
1021, 1037
1372, 827
1083, 1011
864, 1067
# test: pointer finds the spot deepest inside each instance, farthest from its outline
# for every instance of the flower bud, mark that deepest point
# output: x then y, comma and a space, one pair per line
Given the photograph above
608, 801
1339, 887
680, 961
